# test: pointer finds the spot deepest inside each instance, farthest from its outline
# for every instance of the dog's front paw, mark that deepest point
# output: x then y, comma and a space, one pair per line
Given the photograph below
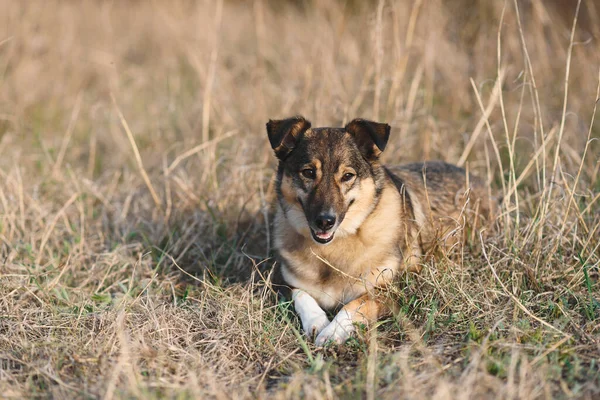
315, 323
337, 332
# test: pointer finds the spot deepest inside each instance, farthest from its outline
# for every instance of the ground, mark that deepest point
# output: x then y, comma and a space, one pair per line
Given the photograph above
135, 190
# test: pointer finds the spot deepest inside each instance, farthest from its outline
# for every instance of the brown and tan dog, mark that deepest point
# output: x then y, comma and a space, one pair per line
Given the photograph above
346, 226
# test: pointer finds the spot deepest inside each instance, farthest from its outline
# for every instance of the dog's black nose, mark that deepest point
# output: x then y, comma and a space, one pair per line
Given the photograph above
325, 221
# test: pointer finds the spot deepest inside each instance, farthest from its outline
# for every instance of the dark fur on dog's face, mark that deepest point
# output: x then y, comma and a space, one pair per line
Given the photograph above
328, 178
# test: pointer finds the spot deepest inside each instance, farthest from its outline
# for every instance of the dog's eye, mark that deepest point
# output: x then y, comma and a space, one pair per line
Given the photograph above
309, 173
347, 177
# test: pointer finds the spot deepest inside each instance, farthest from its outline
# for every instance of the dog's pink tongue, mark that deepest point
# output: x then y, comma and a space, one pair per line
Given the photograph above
324, 235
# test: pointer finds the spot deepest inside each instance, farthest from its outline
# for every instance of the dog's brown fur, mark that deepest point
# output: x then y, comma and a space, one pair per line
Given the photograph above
390, 217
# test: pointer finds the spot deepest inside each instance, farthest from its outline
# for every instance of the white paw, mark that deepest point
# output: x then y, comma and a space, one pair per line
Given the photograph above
312, 316
337, 332
314, 323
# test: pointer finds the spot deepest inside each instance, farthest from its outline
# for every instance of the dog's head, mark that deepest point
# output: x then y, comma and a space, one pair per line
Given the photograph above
328, 178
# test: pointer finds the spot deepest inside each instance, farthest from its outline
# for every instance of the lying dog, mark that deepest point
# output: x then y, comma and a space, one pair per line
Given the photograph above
346, 226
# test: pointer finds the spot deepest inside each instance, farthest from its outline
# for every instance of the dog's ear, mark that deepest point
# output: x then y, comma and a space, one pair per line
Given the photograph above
284, 133
371, 137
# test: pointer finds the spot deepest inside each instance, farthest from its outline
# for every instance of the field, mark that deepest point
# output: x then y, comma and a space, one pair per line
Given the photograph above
136, 183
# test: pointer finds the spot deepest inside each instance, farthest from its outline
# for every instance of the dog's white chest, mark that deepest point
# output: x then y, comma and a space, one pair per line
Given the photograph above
328, 296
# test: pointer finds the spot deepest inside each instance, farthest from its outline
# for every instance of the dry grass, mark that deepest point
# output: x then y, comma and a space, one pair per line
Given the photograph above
134, 190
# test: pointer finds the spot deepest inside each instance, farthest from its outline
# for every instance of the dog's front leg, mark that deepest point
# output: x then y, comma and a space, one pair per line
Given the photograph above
313, 318
361, 310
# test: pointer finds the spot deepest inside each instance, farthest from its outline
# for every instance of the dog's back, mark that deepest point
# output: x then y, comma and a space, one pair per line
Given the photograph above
446, 201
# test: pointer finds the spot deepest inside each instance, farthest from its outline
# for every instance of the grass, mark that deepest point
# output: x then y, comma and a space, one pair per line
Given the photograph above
135, 187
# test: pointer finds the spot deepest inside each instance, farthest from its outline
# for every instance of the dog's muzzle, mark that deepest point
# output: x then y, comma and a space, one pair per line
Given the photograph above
323, 232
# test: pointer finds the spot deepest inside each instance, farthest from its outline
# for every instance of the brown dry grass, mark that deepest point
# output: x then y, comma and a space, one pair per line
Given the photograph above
134, 187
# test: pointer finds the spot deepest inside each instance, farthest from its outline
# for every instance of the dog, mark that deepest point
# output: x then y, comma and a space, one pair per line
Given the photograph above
346, 226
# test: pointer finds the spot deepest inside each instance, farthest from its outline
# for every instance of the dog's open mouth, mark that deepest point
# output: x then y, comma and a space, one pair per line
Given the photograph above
322, 236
